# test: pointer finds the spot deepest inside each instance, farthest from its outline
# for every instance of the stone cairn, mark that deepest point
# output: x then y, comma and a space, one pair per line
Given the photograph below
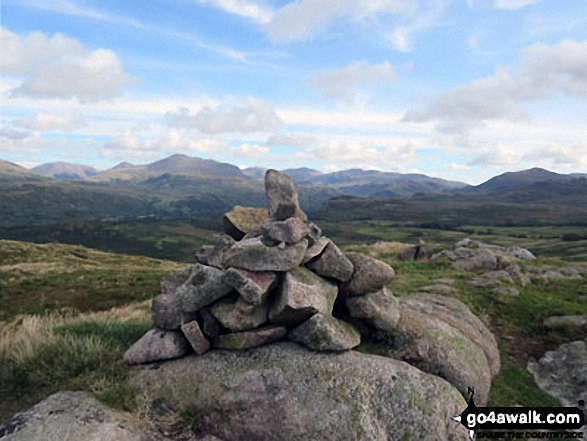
271, 276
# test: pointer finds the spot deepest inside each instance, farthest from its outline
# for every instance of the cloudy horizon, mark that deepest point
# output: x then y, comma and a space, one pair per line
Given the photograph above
457, 89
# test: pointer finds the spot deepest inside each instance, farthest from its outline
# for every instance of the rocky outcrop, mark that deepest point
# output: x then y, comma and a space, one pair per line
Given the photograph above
563, 374
285, 392
72, 416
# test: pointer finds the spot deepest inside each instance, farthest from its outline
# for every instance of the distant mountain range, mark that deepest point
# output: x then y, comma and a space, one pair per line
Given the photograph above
181, 185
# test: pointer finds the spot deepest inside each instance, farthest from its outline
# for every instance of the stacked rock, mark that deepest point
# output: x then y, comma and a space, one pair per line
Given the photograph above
271, 276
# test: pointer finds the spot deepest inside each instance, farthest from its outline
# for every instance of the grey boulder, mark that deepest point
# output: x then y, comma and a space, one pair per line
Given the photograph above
380, 309
72, 416
253, 255
369, 275
203, 287
285, 392
282, 196
325, 333
332, 263
157, 345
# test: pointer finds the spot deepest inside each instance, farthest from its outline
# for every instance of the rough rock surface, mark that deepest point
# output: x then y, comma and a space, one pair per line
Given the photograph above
332, 263
171, 282
290, 231
253, 286
166, 312
242, 220
285, 392
325, 333
253, 255
441, 336
563, 374
72, 416
203, 287
282, 196
380, 309
301, 295
157, 345
240, 315
212, 255
369, 275
315, 249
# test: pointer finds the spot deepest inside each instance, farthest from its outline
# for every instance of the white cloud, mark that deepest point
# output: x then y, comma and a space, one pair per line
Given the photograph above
513, 4
242, 8
362, 153
61, 67
173, 141
540, 71
342, 83
255, 116
303, 20
290, 140
51, 122
249, 151
15, 141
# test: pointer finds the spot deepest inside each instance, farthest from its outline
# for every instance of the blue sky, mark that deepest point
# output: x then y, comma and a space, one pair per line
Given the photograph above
459, 89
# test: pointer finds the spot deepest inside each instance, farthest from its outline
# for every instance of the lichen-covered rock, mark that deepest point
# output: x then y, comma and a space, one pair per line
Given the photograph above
242, 220
166, 312
253, 255
301, 295
253, 286
571, 321
212, 255
380, 309
72, 416
203, 287
157, 345
369, 275
239, 315
171, 282
441, 336
286, 392
290, 231
193, 334
249, 339
325, 333
282, 196
477, 259
332, 263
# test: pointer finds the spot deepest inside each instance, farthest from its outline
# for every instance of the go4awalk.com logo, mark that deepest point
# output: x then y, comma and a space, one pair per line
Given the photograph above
518, 422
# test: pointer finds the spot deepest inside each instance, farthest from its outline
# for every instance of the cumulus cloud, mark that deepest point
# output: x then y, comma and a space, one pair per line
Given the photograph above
290, 140
243, 8
303, 20
255, 116
540, 71
513, 4
247, 150
368, 154
51, 122
61, 67
174, 141
19, 141
342, 83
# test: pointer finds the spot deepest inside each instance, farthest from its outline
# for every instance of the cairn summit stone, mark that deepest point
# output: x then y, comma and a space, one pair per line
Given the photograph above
282, 196
253, 255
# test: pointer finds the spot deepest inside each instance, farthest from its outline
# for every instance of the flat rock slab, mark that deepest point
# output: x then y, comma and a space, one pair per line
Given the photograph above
380, 309
240, 315
325, 333
249, 339
301, 295
157, 345
332, 263
290, 231
286, 392
571, 321
438, 287
316, 249
242, 220
193, 334
369, 275
253, 255
203, 287
72, 416
282, 195
253, 286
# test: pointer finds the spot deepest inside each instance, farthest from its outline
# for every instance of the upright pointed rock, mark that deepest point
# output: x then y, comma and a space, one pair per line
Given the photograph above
282, 196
